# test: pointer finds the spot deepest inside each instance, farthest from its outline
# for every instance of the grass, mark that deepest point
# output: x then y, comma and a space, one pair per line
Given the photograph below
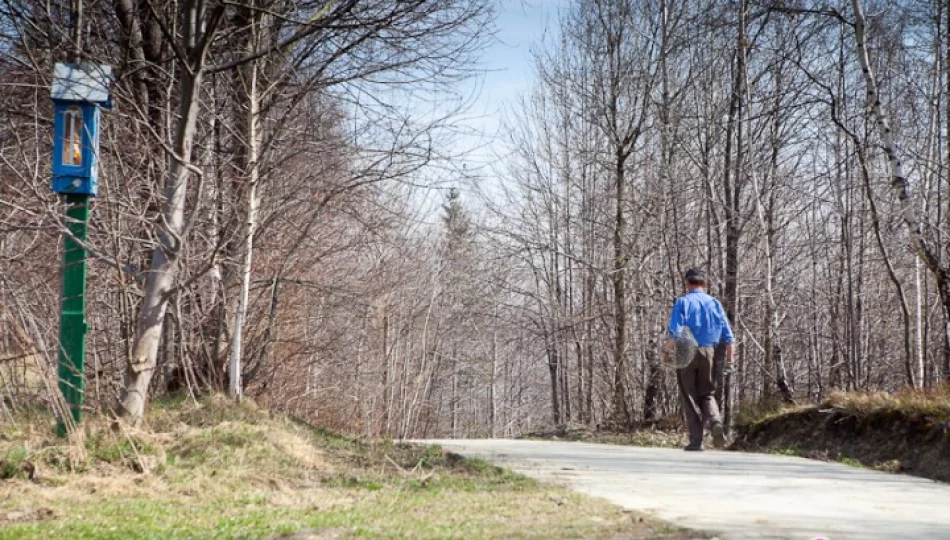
648, 438
665, 433
933, 404
641, 437
414, 514
12, 462
890, 466
218, 470
751, 412
908, 431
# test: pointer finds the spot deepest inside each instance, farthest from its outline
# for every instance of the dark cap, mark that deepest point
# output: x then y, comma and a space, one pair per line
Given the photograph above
695, 274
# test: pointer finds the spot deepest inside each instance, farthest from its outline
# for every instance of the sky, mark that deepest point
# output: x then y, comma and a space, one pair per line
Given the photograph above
505, 73
508, 73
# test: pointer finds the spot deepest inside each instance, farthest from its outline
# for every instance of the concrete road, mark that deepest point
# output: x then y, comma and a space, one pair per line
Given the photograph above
735, 495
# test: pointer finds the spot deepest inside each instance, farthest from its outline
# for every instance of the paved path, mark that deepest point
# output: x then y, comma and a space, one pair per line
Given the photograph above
736, 495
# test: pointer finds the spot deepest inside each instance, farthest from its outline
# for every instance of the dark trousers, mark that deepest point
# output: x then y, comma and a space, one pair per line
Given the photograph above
697, 389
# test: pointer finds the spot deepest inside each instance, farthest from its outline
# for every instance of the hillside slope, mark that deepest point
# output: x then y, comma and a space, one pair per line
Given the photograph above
214, 469
908, 432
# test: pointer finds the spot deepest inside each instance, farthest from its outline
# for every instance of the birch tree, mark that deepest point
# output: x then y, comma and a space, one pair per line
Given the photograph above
899, 182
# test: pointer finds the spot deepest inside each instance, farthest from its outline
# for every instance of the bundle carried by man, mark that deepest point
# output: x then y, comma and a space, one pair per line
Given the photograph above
685, 350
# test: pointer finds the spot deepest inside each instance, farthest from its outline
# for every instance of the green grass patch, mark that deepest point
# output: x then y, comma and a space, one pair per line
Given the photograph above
10, 465
117, 449
379, 514
851, 462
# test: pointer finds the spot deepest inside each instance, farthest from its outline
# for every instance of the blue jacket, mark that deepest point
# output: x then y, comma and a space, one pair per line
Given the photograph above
704, 316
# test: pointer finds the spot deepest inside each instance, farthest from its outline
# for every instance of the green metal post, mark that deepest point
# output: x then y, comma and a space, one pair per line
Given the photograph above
72, 323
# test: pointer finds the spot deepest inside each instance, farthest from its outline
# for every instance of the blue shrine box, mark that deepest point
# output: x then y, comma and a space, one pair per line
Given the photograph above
79, 91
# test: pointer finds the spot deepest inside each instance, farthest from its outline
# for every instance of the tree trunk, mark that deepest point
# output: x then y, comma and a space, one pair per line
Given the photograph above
651, 408
164, 266
492, 398
733, 193
918, 380
252, 158
620, 410
773, 351
160, 279
653, 375
552, 371
946, 313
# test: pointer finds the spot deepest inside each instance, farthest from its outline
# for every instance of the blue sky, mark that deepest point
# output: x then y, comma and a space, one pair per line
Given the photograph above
505, 73
508, 70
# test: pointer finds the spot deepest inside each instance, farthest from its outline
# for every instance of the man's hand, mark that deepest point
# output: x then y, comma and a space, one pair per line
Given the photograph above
730, 357
668, 347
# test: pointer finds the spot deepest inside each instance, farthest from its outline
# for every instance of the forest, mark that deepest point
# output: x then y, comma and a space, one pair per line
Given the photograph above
284, 212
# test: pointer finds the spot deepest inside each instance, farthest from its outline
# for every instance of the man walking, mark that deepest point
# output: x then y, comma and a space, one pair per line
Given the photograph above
706, 319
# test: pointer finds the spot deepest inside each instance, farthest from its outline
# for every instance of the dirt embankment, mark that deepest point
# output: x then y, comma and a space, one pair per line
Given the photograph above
908, 432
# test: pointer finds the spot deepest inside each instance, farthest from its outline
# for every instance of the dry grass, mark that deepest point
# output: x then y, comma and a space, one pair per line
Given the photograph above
664, 433
933, 403
220, 470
